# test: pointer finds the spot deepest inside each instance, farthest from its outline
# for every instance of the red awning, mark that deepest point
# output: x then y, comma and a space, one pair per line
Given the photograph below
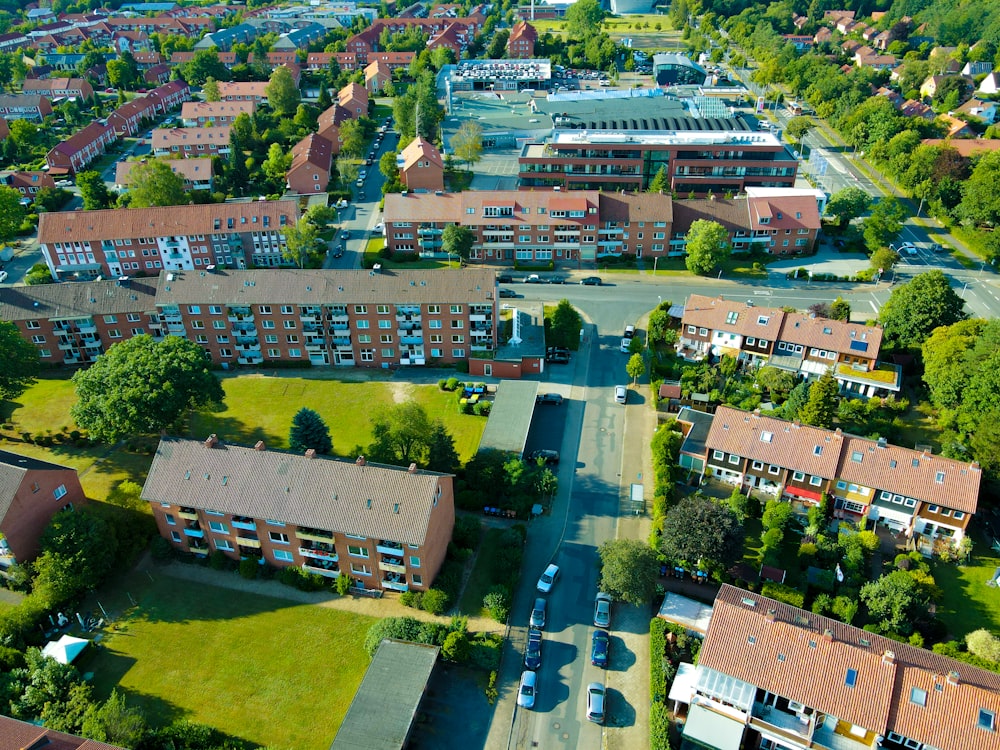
805, 494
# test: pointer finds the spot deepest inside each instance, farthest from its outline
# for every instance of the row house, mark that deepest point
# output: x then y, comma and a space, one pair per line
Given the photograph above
385, 527
250, 91
348, 318
804, 344
224, 39
59, 87
309, 171
755, 686
366, 42
13, 41
27, 735
299, 38
129, 242
208, 114
156, 75
80, 149
522, 40
354, 98
32, 491
928, 498
132, 116
696, 163
196, 172
352, 103
190, 142
27, 183
25, 107
4, 129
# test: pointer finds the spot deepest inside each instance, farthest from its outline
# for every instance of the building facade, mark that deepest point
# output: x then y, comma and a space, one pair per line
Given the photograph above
421, 166
196, 172
186, 143
522, 40
25, 107
309, 172
206, 114
386, 527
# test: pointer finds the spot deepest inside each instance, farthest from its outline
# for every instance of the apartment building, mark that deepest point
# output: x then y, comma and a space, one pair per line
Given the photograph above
76, 152
387, 527
770, 675
77, 88
522, 40
309, 172
128, 242
928, 498
421, 166
188, 142
196, 172
27, 183
210, 114
696, 162
251, 91
801, 343
377, 75
31, 492
25, 107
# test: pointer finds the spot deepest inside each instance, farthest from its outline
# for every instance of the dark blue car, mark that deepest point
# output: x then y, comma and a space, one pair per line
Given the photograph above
600, 644
533, 653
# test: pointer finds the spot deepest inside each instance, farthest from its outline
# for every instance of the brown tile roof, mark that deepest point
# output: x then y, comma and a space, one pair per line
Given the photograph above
775, 441
636, 207
314, 150
45, 86
372, 500
309, 287
453, 207
712, 313
192, 170
911, 473
76, 300
243, 88
732, 214
213, 110
81, 139
784, 212
167, 137
420, 149
856, 339
16, 734
782, 649
965, 146
523, 30
160, 221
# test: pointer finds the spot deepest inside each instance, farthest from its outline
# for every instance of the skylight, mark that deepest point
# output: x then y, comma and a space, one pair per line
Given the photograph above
987, 720
851, 678
857, 457
766, 437
918, 696
817, 450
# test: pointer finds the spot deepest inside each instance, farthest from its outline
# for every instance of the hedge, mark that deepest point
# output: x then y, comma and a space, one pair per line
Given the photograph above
783, 593
657, 653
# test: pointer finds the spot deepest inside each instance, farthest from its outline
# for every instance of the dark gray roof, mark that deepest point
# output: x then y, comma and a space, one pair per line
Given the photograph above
700, 424
371, 500
13, 467
384, 707
77, 299
316, 287
510, 418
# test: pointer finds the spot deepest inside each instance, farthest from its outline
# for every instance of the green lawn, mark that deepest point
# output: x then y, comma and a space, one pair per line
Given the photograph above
373, 255
967, 603
274, 673
481, 578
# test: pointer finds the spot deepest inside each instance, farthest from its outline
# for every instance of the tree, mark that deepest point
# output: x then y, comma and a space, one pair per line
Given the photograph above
884, 223
323, 101
895, 601
210, 90
141, 386
441, 453
352, 137
497, 47
467, 143
282, 93
12, 213
154, 183
309, 431
821, 408
707, 246
660, 183
276, 165
635, 367
583, 19
699, 530
458, 240
797, 399
980, 198
564, 328
92, 189
114, 722
51, 199
24, 135
916, 308
38, 274
300, 241
401, 434
848, 204
983, 644
204, 64
123, 73
659, 329
628, 570
840, 309
797, 127
20, 362
945, 354
78, 551
778, 383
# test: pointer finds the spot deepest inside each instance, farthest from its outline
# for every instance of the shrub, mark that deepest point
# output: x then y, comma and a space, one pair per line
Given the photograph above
491, 689
983, 644
783, 593
822, 604
161, 549
249, 568
485, 649
301, 579
343, 585
657, 655
451, 384
497, 601
845, 608
659, 727
456, 647
466, 532
443, 384
218, 560
435, 601
413, 599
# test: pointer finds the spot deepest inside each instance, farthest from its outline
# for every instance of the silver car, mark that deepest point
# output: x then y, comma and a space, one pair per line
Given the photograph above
538, 614
602, 610
526, 691
595, 702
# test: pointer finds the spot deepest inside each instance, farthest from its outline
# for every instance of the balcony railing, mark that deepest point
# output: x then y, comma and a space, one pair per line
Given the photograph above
248, 541
395, 585
319, 554
333, 572
392, 549
189, 514
194, 529
392, 565
198, 548
245, 523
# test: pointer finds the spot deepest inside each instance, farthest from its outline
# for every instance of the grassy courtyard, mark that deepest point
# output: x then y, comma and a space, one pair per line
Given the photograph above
220, 657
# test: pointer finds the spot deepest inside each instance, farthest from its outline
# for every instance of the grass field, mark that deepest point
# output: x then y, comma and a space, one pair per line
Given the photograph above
967, 603
480, 579
220, 657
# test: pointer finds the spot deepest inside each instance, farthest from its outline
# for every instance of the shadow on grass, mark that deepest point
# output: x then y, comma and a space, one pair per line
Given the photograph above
229, 429
967, 603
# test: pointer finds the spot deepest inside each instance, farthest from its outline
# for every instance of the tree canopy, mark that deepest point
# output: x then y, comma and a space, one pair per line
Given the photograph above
564, 326
402, 434
142, 386
12, 213
309, 431
847, 204
707, 246
821, 408
917, 307
282, 93
700, 530
628, 570
154, 183
458, 240
583, 19
20, 361
467, 143
93, 191
884, 223
895, 601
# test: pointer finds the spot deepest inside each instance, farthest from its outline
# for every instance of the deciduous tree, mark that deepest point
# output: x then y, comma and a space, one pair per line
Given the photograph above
467, 143
458, 240
141, 386
20, 362
707, 246
309, 431
583, 19
154, 183
565, 325
894, 601
12, 213
204, 64
401, 434
847, 204
884, 223
945, 353
628, 570
917, 307
352, 138
698, 530
821, 408
300, 242
210, 91
282, 93
635, 367
92, 189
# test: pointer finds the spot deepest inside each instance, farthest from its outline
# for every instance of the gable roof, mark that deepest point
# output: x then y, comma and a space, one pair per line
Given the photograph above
420, 149
13, 469
312, 150
21, 734
370, 500
717, 313
62, 301
783, 649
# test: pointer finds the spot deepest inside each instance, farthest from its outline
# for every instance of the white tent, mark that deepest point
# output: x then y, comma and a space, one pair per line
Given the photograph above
66, 649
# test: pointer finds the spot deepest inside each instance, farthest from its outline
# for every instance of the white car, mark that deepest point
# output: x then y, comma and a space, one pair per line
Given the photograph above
907, 248
621, 394
548, 579
64, 183
527, 690
3, 276
379, 228
626, 345
602, 610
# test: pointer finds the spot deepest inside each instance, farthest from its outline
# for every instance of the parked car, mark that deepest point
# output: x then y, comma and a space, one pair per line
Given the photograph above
591, 281
595, 702
533, 278
549, 398
537, 620
547, 456
629, 332
526, 690
626, 345
533, 652
556, 279
379, 228
3, 276
507, 293
602, 610
600, 644
339, 252
505, 278
344, 234
64, 183
557, 358
621, 394
548, 579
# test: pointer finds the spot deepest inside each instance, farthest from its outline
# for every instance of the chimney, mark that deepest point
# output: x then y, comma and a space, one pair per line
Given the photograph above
412, 469
212, 441
771, 615
889, 657
360, 461
259, 446
882, 442
953, 678
828, 635
311, 453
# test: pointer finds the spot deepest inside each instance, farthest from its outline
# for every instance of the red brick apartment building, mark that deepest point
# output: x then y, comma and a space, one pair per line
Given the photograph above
31, 492
131, 241
59, 87
309, 172
311, 317
187, 142
522, 40
386, 527
206, 114
196, 172
421, 166
25, 107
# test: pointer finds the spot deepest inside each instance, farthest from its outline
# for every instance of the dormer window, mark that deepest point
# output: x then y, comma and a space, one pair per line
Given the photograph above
765, 219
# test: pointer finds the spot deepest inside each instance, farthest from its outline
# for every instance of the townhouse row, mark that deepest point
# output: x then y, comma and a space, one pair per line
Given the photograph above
805, 344
773, 676
928, 498
584, 225
386, 527
321, 317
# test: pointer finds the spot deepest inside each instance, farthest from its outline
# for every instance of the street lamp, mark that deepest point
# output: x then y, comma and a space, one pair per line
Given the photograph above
655, 261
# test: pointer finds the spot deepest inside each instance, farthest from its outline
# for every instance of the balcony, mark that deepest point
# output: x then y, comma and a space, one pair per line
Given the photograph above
389, 548
318, 552
246, 318
392, 565
188, 514
253, 360
198, 548
88, 328
395, 582
332, 572
194, 529
245, 523
248, 541
68, 346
